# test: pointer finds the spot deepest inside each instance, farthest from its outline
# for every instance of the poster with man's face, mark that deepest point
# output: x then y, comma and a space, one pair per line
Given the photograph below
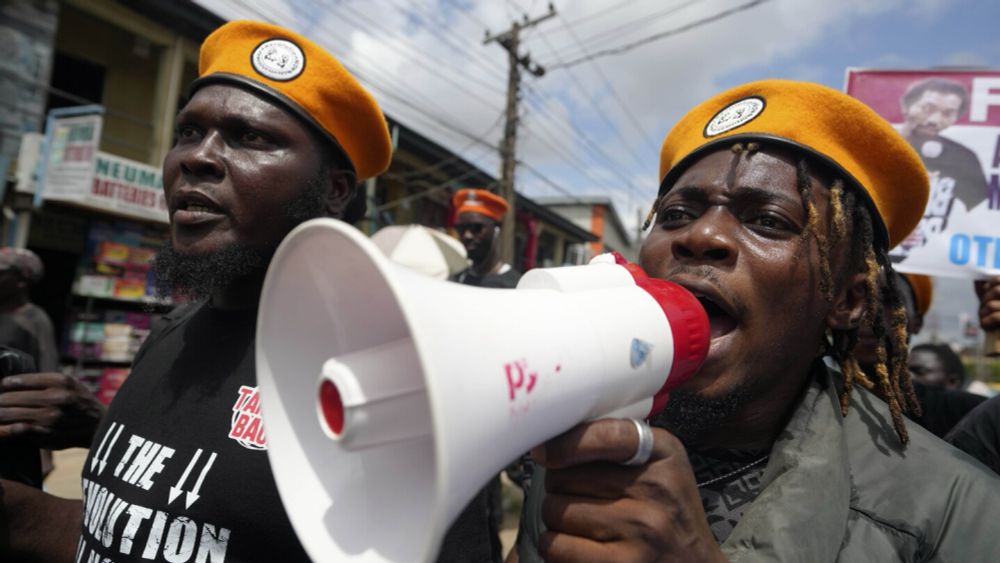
952, 119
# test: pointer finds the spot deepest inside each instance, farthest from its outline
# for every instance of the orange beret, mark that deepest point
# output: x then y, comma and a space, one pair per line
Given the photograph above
306, 80
831, 126
478, 200
923, 291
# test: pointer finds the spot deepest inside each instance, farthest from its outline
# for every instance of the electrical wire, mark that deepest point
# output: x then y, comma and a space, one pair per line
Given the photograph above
592, 148
603, 116
471, 54
373, 76
435, 70
618, 31
457, 155
466, 13
422, 115
662, 35
599, 13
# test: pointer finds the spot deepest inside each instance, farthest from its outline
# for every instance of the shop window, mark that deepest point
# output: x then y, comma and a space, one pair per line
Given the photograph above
120, 69
81, 79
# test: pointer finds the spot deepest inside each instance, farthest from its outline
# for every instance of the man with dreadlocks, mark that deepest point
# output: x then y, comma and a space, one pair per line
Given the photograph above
778, 203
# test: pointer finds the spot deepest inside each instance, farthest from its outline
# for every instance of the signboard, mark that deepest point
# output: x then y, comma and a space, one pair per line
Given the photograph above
78, 173
128, 188
952, 119
70, 158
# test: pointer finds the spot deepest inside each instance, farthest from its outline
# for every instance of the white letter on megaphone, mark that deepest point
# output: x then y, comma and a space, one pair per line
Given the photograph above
390, 398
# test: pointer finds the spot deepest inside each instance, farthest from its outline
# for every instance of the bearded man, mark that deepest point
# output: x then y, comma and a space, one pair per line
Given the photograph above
276, 132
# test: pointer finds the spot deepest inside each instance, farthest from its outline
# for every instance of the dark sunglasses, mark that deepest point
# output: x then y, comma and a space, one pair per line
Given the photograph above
475, 228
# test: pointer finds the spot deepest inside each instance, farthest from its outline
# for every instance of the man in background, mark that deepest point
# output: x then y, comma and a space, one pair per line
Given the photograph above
478, 216
978, 434
20, 270
49, 409
930, 107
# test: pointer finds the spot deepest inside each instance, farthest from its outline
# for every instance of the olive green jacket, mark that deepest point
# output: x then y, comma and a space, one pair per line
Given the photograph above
842, 489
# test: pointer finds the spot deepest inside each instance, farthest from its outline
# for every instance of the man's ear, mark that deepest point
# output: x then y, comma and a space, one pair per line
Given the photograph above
848, 304
343, 183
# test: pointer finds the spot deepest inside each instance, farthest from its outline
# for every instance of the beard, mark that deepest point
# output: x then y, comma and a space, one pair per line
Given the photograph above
197, 276
688, 415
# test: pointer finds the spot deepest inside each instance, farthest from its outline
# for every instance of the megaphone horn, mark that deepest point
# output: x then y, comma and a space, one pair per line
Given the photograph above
390, 398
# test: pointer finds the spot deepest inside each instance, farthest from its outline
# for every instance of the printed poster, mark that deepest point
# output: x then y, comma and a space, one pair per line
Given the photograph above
952, 119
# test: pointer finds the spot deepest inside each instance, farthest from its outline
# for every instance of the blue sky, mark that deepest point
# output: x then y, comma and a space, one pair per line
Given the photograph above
958, 33
595, 128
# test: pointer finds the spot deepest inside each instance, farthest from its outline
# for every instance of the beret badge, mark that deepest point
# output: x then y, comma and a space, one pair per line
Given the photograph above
734, 115
278, 59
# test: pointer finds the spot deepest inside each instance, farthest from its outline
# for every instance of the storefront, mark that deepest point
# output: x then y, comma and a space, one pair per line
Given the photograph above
92, 93
99, 221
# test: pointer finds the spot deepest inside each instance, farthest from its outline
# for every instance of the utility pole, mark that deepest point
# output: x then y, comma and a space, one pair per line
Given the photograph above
510, 41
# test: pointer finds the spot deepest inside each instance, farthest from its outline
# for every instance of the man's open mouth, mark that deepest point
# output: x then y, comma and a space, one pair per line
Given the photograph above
194, 207
199, 208
721, 321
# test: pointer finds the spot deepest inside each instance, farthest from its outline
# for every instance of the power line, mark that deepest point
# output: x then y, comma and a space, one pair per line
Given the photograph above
599, 13
625, 28
388, 92
614, 95
457, 47
569, 157
458, 155
592, 148
662, 35
373, 68
551, 183
461, 10
422, 115
428, 191
420, 62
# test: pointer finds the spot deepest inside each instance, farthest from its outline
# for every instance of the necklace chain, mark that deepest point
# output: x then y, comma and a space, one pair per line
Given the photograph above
736, 471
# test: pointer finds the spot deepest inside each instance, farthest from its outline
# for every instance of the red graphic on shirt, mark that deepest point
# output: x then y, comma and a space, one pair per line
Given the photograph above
247, 428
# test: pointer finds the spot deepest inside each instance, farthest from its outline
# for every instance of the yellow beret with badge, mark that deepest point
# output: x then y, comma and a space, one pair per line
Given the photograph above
306, 80
478, 200
839, 130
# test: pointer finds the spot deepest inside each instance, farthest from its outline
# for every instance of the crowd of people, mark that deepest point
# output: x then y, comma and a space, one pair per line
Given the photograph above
809, 434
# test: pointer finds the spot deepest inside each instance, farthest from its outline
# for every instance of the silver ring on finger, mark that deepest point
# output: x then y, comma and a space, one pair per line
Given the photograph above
645, 447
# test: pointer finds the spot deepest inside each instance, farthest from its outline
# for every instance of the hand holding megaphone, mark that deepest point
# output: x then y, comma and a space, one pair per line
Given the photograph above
594, 510
388, 403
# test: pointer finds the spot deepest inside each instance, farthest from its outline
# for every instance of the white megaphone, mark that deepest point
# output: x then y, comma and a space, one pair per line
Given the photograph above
390, 398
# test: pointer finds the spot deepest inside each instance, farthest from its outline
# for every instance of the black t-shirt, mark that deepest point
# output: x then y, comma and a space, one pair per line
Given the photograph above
941, 409
978, 434
956, 173
178, 469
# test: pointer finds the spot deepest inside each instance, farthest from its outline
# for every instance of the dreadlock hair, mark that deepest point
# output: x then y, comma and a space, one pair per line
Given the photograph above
892, 379
851, 220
